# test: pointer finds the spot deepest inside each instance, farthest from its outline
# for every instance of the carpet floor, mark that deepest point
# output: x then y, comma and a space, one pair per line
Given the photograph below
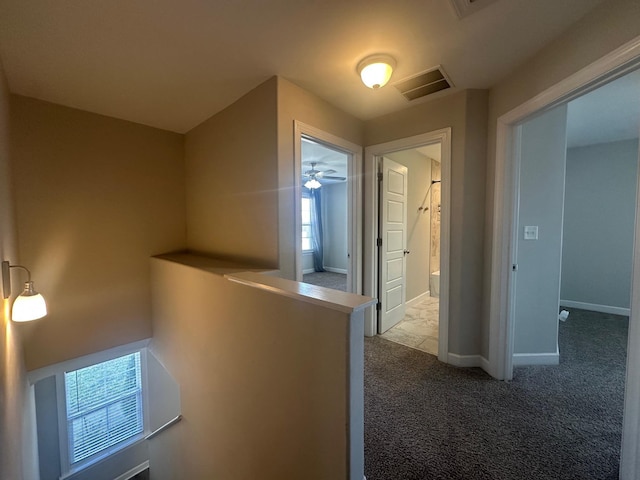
425, 420
336, 281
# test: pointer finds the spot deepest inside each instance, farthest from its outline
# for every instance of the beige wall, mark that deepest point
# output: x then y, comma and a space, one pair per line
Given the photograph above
294, 103
465, 112
418, 223
95, 198
13, 382
232, 181
599, 32
263, 377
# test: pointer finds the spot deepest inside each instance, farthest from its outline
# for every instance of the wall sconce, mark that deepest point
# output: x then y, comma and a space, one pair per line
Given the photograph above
29, 305
376, 70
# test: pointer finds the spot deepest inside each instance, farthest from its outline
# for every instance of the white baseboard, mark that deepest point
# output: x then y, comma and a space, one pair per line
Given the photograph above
526, 359
467, 361
134, 471
308, 270
485, 365
336, 270
418, 299
595, 308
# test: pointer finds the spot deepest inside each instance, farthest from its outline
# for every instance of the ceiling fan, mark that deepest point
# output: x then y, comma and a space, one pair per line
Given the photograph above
313, 175
321, 174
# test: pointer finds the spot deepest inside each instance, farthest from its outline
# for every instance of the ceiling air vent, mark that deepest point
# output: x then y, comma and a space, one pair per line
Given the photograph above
423, 84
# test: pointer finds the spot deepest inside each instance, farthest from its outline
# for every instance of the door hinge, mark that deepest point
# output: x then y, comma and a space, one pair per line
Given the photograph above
378, 306
379, 176
378, 242
514, 267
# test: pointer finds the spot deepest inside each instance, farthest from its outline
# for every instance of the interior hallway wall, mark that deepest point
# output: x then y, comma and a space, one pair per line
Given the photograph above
602, 30
418, 221
599, 221
17, 444
466, 113
295, 103
95, 198
541, 195
232, 183
264, 394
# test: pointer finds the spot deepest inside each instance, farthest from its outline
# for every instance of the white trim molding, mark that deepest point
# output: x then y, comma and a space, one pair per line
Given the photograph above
336, 270
134, 471
467, 361
526, 359
416, 300
593, 307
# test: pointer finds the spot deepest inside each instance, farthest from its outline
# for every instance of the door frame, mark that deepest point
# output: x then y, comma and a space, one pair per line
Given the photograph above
354, 197
501, 323
370, 284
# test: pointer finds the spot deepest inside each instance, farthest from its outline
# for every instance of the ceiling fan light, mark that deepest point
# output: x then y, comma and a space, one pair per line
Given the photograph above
375, 71
312, 184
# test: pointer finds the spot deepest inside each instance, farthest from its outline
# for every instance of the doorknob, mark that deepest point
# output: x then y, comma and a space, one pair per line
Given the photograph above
406, 252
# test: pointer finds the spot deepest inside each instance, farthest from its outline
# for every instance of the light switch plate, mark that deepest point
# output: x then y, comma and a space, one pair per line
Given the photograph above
531, 232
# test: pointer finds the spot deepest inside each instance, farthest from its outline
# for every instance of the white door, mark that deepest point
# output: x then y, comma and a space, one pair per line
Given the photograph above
393, 252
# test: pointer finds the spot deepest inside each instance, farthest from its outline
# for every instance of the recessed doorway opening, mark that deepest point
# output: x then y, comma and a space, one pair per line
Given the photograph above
419, 326
407, 240
328, 219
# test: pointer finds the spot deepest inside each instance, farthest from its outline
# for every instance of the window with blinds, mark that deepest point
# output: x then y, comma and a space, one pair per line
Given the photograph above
306, 225
104, 406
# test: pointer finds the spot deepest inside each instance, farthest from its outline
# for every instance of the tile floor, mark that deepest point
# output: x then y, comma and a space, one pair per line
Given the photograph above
419, 328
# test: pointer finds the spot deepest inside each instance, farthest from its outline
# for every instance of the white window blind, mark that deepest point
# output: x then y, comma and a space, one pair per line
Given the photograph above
104, 405
306, 224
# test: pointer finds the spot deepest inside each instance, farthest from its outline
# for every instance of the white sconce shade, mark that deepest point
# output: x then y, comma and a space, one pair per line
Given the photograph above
312, 184
376, 70
29, 305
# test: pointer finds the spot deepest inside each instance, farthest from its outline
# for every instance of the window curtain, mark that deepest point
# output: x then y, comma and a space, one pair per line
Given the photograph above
316, 230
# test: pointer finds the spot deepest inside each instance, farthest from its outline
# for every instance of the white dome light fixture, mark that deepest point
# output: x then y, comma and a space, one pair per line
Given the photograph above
29, 305
376, 70
312, 184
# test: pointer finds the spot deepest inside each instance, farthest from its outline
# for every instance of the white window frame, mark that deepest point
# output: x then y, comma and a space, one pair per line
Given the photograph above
306, 195
58, 370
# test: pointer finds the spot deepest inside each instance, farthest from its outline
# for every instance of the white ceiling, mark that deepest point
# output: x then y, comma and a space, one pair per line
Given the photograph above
173, 63
324, 159
607, 114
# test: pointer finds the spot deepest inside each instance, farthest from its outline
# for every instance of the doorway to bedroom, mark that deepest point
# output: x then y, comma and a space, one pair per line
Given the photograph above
328, 220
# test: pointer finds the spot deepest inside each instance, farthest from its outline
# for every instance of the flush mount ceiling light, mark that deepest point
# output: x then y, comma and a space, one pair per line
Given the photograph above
376, 70
29, 305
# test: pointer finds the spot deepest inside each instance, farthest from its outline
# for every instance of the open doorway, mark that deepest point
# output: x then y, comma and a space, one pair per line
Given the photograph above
578, 171
418, 327
324, 212
407, 240
506, 269
328, 219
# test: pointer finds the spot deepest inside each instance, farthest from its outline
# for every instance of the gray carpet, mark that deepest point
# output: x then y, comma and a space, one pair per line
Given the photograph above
336, 281
429, 421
